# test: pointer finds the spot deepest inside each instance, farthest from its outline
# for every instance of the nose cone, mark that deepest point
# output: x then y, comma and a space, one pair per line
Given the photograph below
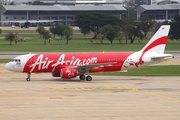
7, 66
13, 66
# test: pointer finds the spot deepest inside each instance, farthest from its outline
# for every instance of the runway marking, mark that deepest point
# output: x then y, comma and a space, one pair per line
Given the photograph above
124, 87
90, 88
156, 94
163, 96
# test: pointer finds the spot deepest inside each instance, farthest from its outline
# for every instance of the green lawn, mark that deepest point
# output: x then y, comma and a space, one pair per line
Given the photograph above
78, 44
169, 70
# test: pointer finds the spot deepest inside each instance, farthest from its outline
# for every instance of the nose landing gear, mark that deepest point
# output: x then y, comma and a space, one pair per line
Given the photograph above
28, 77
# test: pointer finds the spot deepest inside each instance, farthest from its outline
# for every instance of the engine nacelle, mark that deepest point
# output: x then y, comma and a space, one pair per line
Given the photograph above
68, 73
56, 74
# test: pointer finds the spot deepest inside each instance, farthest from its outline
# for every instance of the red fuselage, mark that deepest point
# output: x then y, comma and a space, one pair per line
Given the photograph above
55, 62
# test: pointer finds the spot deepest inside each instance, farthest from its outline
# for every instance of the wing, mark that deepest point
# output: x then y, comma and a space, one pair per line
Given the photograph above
85, 68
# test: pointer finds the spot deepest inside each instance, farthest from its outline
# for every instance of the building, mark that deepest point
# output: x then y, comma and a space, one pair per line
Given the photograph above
5, 1
72, 1
164, 2
63, 14
158, 12
86, 1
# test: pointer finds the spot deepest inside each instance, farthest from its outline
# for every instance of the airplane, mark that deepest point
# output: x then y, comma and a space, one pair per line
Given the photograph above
71, 65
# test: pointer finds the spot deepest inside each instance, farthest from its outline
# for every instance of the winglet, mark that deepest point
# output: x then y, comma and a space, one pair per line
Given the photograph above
158, 42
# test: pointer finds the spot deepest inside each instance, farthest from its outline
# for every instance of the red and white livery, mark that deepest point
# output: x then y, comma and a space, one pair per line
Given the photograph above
71, 65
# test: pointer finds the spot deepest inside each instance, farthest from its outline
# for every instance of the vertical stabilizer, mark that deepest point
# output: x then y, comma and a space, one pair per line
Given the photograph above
158, 42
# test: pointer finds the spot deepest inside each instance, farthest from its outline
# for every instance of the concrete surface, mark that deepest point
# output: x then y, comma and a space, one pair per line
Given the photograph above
104, 98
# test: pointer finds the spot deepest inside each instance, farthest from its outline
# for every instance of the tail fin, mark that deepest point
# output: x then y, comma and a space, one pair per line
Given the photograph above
158, 42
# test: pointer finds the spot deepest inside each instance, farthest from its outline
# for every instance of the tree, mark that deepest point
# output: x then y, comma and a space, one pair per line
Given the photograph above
45, 35
58, 30
102, 34
109, 32
146, 24
52, 30
88, 22
85, 30
40, 30
68, 33
175, 28
110, 36
131, 29
11, 36
63, 31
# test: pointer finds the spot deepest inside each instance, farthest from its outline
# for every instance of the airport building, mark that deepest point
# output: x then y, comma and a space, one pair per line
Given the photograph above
85, 1
158, 12
164, 2
76, 1
63, 14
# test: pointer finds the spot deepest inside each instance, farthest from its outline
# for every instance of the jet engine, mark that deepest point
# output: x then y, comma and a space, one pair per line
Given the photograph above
66, 73
56, 74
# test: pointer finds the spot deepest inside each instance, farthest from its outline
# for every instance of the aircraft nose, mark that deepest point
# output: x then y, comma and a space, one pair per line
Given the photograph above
7, 66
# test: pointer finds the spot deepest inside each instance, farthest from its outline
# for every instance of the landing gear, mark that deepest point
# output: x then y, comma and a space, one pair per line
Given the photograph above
28, 77
82, 77
88, 78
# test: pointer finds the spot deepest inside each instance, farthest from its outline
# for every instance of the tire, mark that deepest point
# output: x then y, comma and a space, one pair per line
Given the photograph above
88, 78
82, 77
28, 79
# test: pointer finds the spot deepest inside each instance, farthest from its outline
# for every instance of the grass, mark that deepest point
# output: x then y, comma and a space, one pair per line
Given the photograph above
78, 44
4, 60
169, 70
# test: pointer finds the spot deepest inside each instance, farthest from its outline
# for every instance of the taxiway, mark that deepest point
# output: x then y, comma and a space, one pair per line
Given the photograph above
104, 98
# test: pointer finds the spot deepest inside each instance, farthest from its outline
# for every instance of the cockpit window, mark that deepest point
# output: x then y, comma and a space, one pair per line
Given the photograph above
13, 60
16, 60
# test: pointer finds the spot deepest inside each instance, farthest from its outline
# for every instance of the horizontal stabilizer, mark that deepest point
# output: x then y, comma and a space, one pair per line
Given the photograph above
160, 57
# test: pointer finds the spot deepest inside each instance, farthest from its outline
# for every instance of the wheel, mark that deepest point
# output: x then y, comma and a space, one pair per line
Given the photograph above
82, 77
88, 78
28, 79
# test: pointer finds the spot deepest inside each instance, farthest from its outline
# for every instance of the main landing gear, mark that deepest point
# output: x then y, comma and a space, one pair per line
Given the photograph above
88, 78
28, 77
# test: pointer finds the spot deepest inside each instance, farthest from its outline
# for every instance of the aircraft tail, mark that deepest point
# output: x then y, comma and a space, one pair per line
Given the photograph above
158, 42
